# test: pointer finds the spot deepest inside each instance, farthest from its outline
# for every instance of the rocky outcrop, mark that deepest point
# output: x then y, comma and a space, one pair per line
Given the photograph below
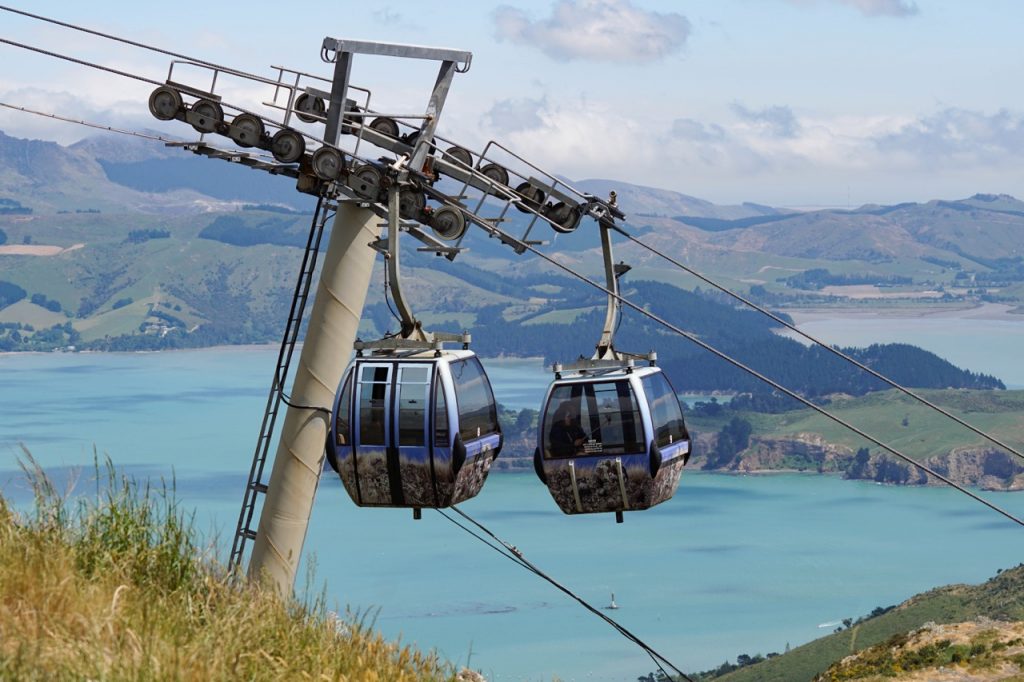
985, 468
977, 467
982, 651
802, 452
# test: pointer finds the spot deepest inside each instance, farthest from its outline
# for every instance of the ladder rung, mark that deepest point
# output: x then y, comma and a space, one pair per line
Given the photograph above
249, 534
259, 487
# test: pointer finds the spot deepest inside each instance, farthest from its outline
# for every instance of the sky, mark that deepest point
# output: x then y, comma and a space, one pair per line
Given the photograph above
781, 102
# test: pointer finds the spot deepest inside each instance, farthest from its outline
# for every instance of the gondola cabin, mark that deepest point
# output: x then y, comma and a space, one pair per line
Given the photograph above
416, 429
611, 441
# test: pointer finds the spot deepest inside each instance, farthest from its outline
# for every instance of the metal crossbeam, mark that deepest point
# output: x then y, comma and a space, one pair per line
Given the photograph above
340, 45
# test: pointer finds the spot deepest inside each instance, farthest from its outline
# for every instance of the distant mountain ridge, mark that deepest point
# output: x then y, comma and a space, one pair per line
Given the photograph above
115, 173
146, 175
120, 236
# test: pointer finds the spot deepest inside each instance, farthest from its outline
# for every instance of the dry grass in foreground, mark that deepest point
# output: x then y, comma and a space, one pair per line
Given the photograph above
115, 587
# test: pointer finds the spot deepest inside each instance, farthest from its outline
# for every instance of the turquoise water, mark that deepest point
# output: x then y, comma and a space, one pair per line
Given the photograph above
731, 565
990, 346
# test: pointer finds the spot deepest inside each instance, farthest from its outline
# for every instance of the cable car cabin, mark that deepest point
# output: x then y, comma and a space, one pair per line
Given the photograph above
414, 430
612, 441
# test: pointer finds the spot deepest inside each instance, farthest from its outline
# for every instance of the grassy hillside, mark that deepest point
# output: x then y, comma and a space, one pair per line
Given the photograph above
952, 251
117, 587
982, 651
925, 433
815, 443
1000, 598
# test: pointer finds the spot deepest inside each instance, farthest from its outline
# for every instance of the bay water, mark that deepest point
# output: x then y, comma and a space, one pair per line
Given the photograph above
730, 565
987, 339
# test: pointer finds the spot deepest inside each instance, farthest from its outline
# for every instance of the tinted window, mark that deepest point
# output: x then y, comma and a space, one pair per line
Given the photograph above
563, 434
592, 419
413, 394
440, 417
618, 426
372, 393
666, 414
478, 415
344, 407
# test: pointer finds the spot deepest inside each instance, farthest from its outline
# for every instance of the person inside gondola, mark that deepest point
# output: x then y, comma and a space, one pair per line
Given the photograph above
566, 435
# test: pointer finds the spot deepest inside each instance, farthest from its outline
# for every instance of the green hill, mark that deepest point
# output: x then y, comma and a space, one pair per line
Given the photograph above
1000, 598
118, 587
110, 259
804, 440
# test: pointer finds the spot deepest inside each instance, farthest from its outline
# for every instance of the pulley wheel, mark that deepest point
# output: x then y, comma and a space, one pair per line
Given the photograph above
448, 223
246, 130
411, 138
165, 103
533, 197
493, 171
385, 126
564, 218
457, 155
411, 203
287, 145
348, 121
365, 181
207, 114
328, 163
310, 108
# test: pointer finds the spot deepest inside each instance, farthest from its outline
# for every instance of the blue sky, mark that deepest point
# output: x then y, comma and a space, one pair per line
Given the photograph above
786, 102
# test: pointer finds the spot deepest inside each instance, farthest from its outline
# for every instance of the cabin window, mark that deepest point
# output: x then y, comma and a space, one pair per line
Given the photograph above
478, 415
344, 408
592, 419
666, 415
440, 417
373, 388
615, 420
563, 433
413, 394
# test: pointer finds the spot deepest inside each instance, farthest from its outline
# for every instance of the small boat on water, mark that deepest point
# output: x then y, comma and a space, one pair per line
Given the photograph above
613, 605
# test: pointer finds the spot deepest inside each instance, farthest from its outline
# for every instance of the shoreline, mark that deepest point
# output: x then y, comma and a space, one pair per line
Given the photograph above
984, 311
1001, 312
242, 347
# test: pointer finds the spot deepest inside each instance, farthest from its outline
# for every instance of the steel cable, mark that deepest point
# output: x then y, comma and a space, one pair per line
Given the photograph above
513, 554
774, 384
76, 60
622, 300
835, 351
98, 126
126, 41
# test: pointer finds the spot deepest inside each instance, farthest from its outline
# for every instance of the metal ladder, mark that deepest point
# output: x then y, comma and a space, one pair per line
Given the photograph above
244, 532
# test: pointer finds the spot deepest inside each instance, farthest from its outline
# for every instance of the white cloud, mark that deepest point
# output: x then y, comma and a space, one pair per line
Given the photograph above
575, 137
597, 30
874, 8
512, 115
122, 114
957, 135
772, 154
777, 121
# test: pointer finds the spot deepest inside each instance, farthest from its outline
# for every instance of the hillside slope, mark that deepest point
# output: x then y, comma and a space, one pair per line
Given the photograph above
1000, 598
980, 651
803, 440
117, 588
